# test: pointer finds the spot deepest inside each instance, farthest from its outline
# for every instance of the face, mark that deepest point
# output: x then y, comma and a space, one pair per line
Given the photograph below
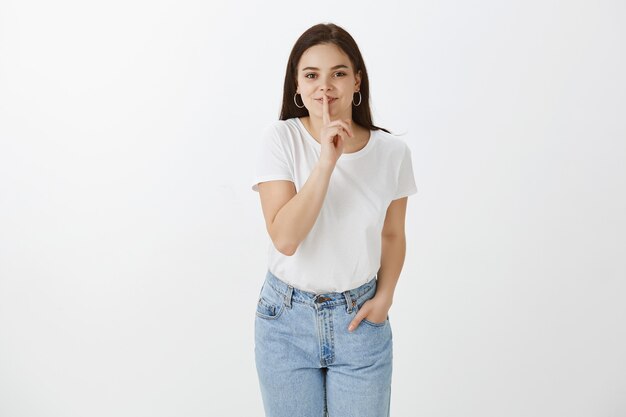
326, 69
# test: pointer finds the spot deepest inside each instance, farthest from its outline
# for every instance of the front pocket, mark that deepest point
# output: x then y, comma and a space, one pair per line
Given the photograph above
366, 321
371, 323
268, 310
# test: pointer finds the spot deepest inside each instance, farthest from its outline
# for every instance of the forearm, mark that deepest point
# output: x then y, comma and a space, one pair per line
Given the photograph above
296, 218
391, 263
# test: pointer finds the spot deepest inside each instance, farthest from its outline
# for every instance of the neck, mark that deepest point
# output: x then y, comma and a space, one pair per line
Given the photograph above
314, 125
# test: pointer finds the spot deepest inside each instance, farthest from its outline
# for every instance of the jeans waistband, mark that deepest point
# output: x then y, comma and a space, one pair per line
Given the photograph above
349, 297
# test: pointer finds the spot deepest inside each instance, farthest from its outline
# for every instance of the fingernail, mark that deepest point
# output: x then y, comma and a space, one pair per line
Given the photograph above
350, 328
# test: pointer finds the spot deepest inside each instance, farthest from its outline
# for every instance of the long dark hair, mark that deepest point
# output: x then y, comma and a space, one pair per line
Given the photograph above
319, 34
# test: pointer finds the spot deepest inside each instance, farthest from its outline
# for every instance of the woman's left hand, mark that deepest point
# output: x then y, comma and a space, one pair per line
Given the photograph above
375, 310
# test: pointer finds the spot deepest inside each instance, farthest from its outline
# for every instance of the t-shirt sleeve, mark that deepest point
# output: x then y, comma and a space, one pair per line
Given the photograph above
406, 180
272, 162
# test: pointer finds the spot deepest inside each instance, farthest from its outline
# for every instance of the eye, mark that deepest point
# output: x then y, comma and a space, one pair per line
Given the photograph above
343, 74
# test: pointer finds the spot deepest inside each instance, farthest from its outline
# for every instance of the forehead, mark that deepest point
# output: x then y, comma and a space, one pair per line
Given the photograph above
323, 56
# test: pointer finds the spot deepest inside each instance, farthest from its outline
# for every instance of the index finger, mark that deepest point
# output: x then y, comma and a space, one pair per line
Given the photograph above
325, 112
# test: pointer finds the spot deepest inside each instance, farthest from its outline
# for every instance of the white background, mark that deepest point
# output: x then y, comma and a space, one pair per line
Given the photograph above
132, 248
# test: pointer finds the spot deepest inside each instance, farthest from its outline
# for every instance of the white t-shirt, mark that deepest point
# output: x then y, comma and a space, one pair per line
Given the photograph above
343, 249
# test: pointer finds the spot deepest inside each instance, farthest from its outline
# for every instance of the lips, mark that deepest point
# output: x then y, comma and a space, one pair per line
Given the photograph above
330, 99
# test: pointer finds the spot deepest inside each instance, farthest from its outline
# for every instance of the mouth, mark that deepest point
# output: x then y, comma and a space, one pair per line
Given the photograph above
330, 99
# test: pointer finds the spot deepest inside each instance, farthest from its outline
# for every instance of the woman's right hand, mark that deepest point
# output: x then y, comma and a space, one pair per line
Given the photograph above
333, 135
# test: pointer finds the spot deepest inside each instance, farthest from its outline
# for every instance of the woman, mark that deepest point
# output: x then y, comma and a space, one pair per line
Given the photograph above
333, 190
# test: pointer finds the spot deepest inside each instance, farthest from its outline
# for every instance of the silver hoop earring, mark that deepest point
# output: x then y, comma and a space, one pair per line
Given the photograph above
294, 100
360, 98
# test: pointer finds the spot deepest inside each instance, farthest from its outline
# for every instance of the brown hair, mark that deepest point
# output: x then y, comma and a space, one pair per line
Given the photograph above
328, 33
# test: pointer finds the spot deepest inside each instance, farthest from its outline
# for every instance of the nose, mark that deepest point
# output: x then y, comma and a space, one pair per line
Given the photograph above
324, 84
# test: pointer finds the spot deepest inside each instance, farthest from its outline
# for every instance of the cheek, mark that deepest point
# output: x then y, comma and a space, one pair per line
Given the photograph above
306, 91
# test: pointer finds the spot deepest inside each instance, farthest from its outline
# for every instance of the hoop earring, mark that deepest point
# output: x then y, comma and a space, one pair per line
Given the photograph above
294, 100
360, 98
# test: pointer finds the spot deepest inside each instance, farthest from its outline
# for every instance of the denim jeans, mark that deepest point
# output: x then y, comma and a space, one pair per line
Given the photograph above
307, 362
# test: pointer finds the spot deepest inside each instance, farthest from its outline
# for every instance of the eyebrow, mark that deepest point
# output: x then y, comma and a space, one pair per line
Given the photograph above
333, 68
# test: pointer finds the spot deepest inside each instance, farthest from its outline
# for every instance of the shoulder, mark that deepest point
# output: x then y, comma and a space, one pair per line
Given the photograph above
282, 128
392, 143
282, 134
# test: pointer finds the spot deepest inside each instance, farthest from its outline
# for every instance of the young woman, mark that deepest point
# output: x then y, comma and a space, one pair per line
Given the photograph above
333, 190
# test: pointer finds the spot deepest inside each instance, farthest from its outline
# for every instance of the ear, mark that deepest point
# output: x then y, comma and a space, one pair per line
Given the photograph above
357, 84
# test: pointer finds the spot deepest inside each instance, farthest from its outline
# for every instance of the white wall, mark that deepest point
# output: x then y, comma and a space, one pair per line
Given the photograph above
132, 248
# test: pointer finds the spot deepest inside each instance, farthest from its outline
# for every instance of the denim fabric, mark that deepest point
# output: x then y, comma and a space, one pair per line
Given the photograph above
307, 362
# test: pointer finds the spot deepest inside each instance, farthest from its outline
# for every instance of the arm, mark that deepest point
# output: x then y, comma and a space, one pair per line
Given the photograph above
290, 216
393, 250
391, 262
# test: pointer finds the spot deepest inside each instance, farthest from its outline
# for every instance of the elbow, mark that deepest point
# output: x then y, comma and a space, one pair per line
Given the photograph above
289, 252
285, 248
394, 237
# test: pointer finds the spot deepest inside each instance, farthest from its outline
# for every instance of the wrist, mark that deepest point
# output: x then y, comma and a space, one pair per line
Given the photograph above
326, 165
385, 298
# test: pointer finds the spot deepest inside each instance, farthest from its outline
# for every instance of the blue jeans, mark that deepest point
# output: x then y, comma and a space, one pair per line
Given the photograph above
307, 362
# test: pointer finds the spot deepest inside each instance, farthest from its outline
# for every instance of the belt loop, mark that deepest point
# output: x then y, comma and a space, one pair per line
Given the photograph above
348, 301
288, 296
